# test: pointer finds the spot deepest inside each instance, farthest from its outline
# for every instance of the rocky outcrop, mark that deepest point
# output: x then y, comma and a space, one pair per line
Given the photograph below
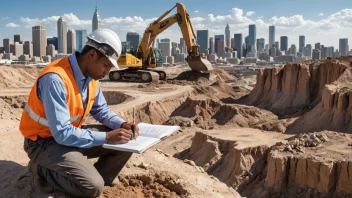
233, 162
318, 165
210, 112
334, 112
295, 88
322, 171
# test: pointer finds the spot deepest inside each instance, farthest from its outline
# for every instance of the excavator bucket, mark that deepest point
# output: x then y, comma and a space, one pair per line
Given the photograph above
198, 63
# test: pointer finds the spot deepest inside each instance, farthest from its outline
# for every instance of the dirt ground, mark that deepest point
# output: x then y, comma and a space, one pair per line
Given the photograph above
237, 138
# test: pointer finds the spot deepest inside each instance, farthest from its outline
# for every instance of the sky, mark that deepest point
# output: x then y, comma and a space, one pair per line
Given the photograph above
324, 21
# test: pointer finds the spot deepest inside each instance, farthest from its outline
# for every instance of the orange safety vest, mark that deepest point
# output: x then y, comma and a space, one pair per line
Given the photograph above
34, 123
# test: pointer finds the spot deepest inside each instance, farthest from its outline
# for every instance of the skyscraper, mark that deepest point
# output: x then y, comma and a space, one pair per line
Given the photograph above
260, 44
62, 35
81, 38
183, 46
134, 38
251, 37
39, 40
343, 46
294, 49
211, 45
7, 42
238, 45
284, 43
28, 48
271, 36
302, 43
227, 36
202, 40
96, 22
316, 54
309, 50
71, 41
277, 46
317, 46
18, 38
53, 41
217, 39
165, 48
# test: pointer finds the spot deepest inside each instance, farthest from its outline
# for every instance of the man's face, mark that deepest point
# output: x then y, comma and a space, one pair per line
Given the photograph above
99, 67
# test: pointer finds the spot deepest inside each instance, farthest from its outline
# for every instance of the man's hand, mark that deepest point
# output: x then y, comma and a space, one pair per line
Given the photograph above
133, 127
118, 136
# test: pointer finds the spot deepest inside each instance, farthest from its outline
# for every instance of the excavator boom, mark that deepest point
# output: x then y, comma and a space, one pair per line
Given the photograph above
195, 60
140, 65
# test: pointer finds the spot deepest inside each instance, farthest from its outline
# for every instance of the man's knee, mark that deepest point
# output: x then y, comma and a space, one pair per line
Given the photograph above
92, 188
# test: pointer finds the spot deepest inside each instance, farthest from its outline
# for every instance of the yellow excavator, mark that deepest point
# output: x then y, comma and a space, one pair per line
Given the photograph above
141, 65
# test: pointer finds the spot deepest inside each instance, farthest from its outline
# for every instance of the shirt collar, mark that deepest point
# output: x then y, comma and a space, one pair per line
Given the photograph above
77, 72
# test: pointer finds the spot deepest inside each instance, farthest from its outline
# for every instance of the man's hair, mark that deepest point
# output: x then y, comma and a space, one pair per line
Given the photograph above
87, 48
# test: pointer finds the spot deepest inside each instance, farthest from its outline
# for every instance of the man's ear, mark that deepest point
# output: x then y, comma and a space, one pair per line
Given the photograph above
91, 54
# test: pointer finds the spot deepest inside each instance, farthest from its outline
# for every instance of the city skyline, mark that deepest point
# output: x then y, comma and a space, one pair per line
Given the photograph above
326, 25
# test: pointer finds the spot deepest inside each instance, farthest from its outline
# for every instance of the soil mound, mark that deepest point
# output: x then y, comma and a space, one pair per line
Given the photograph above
321, 169
296, 88
205, 77
235, 156
12, 107
15, 77
207, 113
334, 112
159, 185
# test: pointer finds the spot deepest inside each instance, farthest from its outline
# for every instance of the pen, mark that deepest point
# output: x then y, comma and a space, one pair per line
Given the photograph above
134, 122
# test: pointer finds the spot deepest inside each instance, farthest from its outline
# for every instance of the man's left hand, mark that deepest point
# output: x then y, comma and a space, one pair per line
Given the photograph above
131, 126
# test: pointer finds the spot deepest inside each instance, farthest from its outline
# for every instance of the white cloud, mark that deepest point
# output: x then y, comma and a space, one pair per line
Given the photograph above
71, 19
250, 13
321, 14
12, 25
197, 19
3, 18
196, 11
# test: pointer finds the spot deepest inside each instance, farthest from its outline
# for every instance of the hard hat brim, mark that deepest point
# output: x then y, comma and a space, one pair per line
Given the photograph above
114, 62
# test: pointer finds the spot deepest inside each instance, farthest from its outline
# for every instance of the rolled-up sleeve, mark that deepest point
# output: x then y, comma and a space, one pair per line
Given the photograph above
52, 92
103, 114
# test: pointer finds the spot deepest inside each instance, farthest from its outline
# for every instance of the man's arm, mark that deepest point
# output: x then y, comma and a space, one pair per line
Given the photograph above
103, 114
52, 92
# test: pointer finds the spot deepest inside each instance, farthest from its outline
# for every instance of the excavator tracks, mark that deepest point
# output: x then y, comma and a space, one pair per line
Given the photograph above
133, 75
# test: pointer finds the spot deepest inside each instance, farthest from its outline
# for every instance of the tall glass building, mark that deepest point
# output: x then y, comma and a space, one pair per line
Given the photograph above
260, 44
81, 38
251, 37
283, 43
238, 45
202, 40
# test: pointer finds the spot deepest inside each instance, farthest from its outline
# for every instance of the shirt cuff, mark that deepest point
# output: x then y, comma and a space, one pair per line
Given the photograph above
118, 123
99, 138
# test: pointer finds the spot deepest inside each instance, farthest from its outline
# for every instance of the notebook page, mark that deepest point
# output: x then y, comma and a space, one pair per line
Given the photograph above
156, 131
135, 146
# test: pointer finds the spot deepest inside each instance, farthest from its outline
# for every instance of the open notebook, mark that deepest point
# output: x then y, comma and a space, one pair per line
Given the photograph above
149, 135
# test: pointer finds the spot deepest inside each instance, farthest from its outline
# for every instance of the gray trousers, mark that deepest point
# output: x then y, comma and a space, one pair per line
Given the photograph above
68, 169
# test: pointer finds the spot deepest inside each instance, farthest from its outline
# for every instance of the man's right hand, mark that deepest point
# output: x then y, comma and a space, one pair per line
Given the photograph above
118, 136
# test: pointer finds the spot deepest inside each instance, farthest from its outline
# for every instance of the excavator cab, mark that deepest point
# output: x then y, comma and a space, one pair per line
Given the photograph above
158, 57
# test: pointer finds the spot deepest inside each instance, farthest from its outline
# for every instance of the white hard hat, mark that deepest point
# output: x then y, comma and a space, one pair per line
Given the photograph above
107, 42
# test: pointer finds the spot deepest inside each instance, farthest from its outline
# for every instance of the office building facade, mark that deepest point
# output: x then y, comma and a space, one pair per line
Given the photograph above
271, 36
62, 35
39, 40
202, 40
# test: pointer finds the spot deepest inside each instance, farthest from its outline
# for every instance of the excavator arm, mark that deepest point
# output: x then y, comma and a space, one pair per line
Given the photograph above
194, 59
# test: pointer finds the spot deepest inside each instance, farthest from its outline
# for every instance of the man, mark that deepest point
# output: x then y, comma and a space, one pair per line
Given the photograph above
66, 91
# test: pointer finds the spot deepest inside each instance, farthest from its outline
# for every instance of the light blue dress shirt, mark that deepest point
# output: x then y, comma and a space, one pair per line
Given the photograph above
52, 92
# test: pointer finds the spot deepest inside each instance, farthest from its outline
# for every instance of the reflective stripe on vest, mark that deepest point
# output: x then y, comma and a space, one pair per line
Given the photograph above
44, 121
